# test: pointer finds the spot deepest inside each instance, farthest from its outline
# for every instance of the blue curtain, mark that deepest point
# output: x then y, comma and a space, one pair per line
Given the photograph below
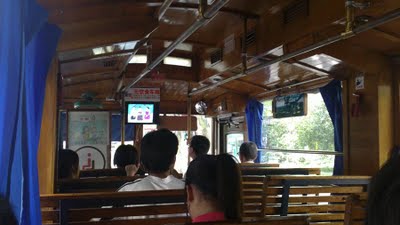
254, 117
27, 46
332, 95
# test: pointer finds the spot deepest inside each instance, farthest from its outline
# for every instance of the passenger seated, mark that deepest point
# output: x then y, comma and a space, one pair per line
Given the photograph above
199, 145
158, 155
68, 164
213, 189
248, 152
126, 158
383, 206
6, 214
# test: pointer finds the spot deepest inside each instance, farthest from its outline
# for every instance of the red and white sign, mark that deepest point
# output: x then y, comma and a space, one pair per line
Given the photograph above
143, 95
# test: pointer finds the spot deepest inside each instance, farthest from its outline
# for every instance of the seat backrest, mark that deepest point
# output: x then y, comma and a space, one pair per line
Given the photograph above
356, 213
102, 173
322, 198
253, 197
300, 220
249, 165
100, 184
266, 171
153, 207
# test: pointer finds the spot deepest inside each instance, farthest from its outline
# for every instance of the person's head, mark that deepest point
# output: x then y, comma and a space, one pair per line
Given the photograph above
126, 155
384, 193
68, 164
6, 214
213, 184
199, 145
158, 151
248, 152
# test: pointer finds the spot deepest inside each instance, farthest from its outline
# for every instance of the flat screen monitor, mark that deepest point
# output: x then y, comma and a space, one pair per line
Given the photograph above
290, 105
142, 112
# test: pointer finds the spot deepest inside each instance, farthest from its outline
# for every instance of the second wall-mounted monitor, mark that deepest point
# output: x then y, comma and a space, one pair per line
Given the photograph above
290, 105
142, 112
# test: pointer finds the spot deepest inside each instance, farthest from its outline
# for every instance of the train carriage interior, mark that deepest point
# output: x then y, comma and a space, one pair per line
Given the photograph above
315, 84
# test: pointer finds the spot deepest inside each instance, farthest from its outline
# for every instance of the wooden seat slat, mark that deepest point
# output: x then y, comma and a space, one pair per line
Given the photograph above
253, 178
84, 185
326, 223
87, 214
252, 201
308, 199
319, 190
266, 221
147, 221
50, 215
326, 216
293, 209
279, 171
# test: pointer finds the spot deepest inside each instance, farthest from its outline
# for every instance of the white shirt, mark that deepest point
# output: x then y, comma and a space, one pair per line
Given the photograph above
150, 183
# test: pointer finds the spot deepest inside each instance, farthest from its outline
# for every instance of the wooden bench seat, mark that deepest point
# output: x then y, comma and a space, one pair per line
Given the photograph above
145, 207
322, 198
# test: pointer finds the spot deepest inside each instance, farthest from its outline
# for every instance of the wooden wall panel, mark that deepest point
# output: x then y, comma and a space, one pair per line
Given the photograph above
177, 123
226, 103
370, 135
385, 120
363, 130
48, 134
396, 96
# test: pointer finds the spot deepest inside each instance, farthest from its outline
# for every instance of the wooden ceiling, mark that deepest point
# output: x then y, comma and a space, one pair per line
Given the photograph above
100, 36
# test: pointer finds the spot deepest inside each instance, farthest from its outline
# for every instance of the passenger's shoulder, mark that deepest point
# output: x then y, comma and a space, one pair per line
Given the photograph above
130, 186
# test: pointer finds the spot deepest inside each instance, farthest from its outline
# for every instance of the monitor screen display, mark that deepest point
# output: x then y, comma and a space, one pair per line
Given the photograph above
141, 112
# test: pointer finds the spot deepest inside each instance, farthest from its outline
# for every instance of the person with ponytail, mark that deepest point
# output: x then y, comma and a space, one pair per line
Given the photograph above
213, 189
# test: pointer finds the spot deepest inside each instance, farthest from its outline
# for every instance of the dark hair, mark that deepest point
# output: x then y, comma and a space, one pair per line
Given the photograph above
200, 144
158, 150
219, 179
248, 150
68, 163
6, 214
384, 193
125, 155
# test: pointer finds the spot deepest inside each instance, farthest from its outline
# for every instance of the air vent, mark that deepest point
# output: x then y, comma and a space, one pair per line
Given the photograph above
296, 11
109, 63
250, 37
216, 56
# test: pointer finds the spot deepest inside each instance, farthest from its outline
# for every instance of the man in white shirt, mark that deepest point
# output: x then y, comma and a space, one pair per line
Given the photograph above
158, 155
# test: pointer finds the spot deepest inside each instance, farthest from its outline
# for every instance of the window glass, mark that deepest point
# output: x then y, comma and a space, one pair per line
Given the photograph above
233, 142
176, 61
311, 132
203, 128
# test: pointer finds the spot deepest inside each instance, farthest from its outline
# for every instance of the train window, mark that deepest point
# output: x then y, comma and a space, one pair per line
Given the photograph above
203, 128
176, 61
233, 142
288, 137
138, 59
